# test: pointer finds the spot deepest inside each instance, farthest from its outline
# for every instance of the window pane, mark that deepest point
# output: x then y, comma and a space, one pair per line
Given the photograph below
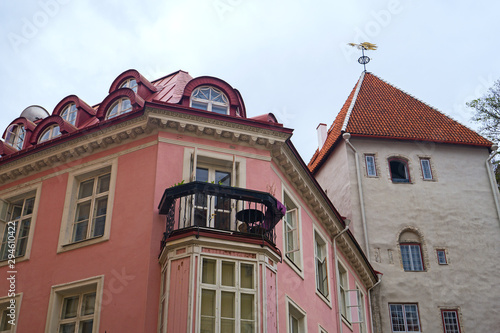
199, 105
67, 328
223, 178
412, 318
370, 165
86, 326
450, 320
202, 174
80, 231
208, 275
28, 206
227, 304
247, 304
397, 318
86, 189
83, 211
4, 321
228, 273
219, 109
207, 311
426, 168
294, 324
103, 183
88, 304
70, 307
246, 273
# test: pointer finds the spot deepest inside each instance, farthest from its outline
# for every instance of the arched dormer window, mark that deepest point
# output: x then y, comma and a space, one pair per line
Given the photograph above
410, 245
119, 107
130, 83
15, 136
398, 168
210, 99
69, 113
50, 133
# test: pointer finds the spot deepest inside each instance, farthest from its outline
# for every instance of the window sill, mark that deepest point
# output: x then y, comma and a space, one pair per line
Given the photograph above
296, 268
17, 260
324, 298
82, 243
346, 322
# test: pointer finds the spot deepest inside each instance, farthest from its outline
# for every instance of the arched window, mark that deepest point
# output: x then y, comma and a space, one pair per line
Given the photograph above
121, 106
69, 113
210, 99
130, 83
50, 133
411, 251
15, 136
399, 170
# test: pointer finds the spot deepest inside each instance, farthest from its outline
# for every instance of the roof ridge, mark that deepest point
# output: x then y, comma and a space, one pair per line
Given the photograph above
421, 101
354, 98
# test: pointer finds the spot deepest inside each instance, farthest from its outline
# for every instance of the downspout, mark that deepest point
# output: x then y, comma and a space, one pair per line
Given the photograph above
346, 137
493, 183
339, 315
370, 300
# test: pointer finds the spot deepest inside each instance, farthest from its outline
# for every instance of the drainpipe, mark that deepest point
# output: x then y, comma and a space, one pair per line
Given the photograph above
347, 221
493, 183
346, 137
379, 275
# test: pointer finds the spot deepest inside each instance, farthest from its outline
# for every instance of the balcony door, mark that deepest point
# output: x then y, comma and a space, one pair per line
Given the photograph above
211, 211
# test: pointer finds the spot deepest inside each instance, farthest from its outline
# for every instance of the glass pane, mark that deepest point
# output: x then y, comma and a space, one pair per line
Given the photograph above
227, 304
126, 105
86, 326
28, 206
294, 324
202, 174
114, 112
100, 206
86, 189
207, 325
228, 273
247, 326
16, 212
25, 228
67, 328
219, 109
200, 106
88, 304
247, 305
208, 275
223, 178
103, 183
70, 307
397, 318
82, 211
227, 326
207, 311
246, 276
99, 224
4, 322
80, 231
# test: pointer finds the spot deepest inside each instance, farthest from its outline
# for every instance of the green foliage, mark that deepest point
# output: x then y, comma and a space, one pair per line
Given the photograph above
182, 182
487, 112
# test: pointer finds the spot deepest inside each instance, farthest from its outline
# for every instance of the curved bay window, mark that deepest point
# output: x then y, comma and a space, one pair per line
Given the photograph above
69, 113
50, 133
120, 107
399, 170
210, 99
130, 83
15, 136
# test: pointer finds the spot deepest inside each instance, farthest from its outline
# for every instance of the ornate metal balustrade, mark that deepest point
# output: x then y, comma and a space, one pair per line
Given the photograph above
200, 205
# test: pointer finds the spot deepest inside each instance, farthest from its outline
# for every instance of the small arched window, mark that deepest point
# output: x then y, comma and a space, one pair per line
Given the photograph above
210, 99
15, 136
399, 170
411, 251
130, 83
69, 113
121, 106
50, 133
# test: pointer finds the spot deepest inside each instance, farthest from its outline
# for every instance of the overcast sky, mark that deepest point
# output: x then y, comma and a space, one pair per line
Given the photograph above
285, 57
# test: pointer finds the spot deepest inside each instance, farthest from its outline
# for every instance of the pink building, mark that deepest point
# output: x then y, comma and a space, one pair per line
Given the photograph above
166, 209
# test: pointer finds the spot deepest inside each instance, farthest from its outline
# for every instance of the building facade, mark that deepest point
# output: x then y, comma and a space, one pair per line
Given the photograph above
165, 208
420, 192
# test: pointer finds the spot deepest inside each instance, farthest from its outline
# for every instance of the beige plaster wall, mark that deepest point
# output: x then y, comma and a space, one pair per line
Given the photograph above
455, 212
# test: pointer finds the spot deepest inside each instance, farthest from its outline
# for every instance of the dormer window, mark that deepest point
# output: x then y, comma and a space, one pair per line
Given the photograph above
50, 133
121, 106
130, 83
15, 136
69, 113
210, 99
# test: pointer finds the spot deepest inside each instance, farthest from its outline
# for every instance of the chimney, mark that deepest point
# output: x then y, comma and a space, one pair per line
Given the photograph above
321, 129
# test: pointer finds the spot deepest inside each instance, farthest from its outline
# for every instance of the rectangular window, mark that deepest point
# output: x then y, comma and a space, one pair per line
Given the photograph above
361, 310
343, 294
292, 233
425, 163
371, 170
9, 309
404, 317
450, 321
77, 313
229, 286
441, 256
321, 265
412, 257
296, 318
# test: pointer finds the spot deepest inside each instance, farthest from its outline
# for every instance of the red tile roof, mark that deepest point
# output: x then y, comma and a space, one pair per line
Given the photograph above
377, 109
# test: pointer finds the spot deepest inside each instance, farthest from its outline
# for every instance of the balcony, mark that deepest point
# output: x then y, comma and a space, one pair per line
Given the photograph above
225, 209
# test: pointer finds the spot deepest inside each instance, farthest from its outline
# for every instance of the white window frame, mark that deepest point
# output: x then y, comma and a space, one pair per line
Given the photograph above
74, 179
361, 305
59, 292
412, 249
210, 102
15, 136
371, 165
130, 83
237, 289
5, 199
120, 108
52, 133
295, 264
5, 303
425, 165
70, 113
320, 240
293, 310
344, 301
445, 257
404, 305
455, 325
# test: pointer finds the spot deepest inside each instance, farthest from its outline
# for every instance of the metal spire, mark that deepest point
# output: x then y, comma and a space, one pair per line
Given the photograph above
364, 46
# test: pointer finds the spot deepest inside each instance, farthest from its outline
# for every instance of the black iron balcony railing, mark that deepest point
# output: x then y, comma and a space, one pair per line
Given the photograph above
232, 209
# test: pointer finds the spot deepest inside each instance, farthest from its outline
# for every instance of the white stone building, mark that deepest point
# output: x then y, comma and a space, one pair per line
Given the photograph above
419, 190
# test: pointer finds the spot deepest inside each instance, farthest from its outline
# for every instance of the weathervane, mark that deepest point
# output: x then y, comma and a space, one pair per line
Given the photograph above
364, 46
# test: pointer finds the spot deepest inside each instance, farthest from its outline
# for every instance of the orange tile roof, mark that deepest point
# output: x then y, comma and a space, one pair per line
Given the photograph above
377, 109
